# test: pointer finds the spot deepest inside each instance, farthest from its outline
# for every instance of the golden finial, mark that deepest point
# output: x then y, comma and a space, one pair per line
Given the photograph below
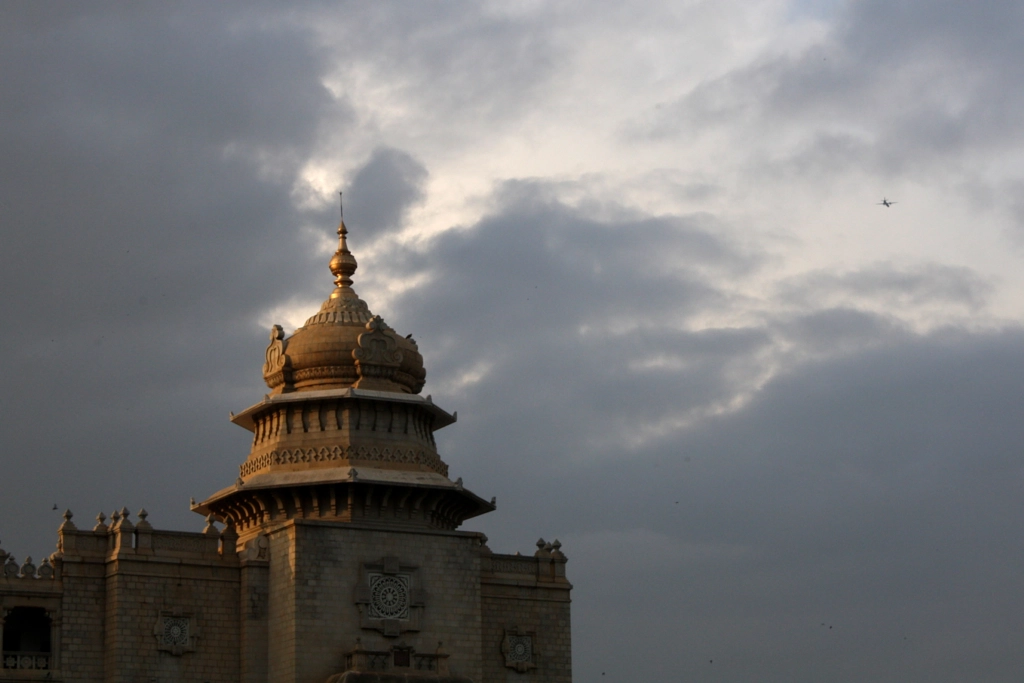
343, 263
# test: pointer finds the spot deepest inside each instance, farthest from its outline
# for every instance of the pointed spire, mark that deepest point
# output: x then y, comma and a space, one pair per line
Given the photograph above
343, 263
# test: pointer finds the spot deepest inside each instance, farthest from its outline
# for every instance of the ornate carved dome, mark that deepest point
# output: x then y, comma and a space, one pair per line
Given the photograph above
343, 345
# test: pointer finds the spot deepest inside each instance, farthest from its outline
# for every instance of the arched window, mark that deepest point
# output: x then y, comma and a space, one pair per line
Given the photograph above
26, 638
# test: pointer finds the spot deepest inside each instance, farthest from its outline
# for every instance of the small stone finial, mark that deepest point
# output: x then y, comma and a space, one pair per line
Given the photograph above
239, 482
46, 569
541, 543
122, 524
556, 550
143, 525
101, 520
543, 548
191, 501
211, 528
10, 567
343, 263
68, 525
28, 569
115, 517
458, 483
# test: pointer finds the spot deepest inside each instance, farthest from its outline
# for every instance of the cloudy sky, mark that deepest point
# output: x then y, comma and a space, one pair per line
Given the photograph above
776, 426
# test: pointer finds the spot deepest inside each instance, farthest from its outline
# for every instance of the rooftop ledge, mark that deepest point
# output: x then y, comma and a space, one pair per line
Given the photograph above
344, 475
245, 418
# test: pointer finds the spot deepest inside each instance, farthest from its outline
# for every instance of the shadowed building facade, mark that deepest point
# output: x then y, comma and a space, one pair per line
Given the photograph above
335, 556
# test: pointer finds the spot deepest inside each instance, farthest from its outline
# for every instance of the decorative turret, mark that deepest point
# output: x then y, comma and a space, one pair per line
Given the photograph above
344, 433
344, 344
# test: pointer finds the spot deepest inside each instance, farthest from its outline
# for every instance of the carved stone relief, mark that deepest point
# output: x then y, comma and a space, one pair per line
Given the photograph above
176, 632
388, 597
276, 368
377, 356
518, 648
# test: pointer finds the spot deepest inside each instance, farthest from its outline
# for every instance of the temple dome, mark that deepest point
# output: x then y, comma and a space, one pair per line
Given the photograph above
343, 344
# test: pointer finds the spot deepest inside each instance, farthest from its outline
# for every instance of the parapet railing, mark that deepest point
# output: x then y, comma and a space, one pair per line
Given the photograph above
26, 570
547, 564
121, 538
26, 660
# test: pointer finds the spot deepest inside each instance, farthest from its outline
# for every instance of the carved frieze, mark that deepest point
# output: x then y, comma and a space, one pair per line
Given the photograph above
335, 453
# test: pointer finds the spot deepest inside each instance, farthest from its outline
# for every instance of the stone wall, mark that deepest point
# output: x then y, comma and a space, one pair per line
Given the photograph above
131, 604
125, 590
324, 597
83, 607
526, 628
172, 608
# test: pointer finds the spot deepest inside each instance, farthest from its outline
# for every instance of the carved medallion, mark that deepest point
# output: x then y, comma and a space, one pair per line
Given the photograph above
518, 649
176, 631
389, 596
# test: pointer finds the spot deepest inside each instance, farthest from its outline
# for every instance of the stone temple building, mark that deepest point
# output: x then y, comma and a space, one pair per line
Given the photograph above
335, 556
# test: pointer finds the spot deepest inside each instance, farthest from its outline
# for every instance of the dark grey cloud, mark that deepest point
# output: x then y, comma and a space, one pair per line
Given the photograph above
141, 222
540, 285
838, 330
875, 495
915, 286
383, 190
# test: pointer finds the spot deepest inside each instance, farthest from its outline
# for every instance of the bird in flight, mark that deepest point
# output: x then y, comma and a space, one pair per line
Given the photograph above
885, 202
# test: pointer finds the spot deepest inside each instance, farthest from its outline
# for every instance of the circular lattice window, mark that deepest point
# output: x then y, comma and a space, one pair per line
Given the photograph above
389, 596
520, 648
175, 631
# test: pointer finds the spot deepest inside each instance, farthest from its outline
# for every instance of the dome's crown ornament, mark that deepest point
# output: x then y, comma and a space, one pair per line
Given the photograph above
343, 344
343, 263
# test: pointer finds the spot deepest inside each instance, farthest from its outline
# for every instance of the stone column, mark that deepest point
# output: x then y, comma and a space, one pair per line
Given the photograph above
55, 624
